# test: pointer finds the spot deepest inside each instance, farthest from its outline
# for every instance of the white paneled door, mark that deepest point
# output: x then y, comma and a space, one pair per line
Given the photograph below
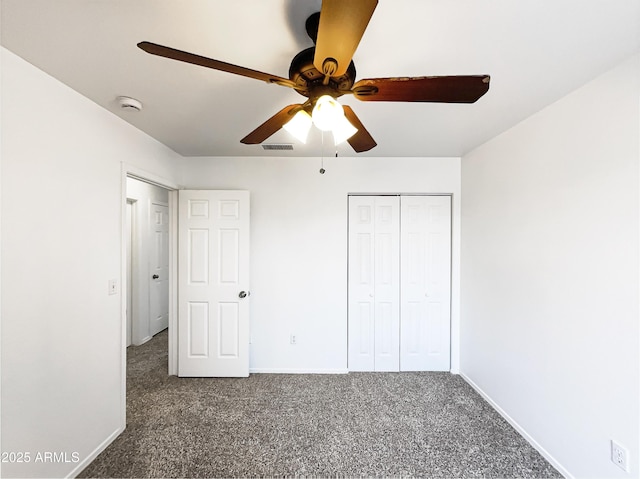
361, 284
399, 283
425, 294
213, 283
159, 269
374, 301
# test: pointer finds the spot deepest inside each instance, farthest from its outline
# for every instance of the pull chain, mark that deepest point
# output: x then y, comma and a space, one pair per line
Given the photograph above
322, 170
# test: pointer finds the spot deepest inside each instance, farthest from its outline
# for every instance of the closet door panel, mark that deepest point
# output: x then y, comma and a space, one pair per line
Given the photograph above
399, 283
361, 284
425, 302
374, 291
387, 283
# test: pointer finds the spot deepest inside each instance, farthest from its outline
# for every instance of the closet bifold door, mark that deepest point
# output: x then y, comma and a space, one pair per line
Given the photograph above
374, 283
425, 302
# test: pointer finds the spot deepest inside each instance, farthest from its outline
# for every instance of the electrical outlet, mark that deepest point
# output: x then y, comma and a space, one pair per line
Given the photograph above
293, 339
619, 456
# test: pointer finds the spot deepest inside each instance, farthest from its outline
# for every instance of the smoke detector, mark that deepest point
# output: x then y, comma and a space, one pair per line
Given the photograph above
129, 104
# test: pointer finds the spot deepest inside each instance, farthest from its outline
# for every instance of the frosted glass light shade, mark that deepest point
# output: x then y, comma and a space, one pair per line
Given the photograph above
326, 112
343, 130
299, 125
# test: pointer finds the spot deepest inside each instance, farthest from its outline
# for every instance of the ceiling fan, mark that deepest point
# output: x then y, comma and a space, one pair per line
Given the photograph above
325, 72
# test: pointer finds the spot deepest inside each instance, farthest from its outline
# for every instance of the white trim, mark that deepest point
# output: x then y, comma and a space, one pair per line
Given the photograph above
296, 371
144, 340
173, 283
147, 177
124, 285
93, 454
536, 445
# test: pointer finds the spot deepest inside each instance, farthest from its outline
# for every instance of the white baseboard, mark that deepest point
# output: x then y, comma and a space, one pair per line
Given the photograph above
143, 340
92, 455
552, 460
296, 371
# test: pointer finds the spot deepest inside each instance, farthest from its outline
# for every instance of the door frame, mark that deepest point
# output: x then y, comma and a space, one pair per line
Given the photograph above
130, 223
131, 171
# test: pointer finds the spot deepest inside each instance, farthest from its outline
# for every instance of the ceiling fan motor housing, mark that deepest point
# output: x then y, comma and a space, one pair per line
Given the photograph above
306, 75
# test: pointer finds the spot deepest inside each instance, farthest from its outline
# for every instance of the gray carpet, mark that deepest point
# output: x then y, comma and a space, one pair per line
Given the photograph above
360, 424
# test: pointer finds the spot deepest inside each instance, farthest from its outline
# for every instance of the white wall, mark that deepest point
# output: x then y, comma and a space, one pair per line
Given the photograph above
299, 245
549, 311
61, 237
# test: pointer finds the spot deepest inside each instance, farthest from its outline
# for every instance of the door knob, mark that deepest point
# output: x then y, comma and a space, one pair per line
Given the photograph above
155, 276
243, 294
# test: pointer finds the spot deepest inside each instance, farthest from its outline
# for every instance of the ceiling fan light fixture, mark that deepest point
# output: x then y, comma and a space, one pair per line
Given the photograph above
326, 112
299, 125
343, 130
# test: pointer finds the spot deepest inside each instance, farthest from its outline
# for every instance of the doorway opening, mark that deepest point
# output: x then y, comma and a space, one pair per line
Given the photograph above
147, 260
149, 239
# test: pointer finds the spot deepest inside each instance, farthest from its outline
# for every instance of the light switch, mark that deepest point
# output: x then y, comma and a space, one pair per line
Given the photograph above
113, 286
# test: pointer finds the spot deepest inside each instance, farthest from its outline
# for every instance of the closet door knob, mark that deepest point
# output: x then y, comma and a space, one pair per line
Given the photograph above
242, 294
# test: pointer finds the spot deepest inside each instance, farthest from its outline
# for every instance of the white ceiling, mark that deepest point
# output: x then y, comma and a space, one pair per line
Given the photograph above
536, 51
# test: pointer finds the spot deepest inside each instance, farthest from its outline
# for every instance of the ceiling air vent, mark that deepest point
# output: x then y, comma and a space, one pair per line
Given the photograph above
277, 146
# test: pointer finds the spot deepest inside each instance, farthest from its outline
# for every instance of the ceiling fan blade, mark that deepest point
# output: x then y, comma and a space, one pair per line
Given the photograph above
270, 126
342, 24
441, 89
362, 140
186, 57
